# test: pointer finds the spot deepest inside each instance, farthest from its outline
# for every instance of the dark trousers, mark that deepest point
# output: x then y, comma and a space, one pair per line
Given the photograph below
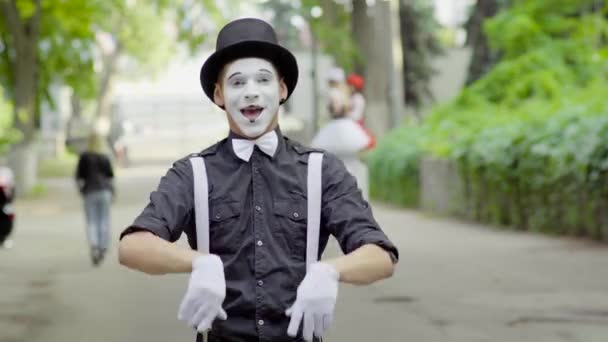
6, 227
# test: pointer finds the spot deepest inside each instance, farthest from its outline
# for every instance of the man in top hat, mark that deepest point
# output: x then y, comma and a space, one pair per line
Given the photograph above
250, 280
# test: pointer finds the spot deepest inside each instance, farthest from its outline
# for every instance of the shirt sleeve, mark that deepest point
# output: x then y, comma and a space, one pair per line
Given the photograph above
345, 213
108, 168
80, 168
170, 208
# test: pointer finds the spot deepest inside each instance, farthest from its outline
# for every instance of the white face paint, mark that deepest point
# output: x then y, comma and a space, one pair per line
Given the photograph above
251, 94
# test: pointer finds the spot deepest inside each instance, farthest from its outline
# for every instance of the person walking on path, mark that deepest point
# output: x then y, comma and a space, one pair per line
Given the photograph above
258, 209
94, 178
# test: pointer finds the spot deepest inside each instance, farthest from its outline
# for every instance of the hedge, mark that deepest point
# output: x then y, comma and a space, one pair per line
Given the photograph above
530, 138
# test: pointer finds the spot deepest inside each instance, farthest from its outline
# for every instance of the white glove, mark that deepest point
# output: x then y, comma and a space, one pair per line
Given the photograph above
315, 301
203, 300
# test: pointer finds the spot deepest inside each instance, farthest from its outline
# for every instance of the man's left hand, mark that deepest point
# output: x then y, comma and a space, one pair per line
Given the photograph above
315, 301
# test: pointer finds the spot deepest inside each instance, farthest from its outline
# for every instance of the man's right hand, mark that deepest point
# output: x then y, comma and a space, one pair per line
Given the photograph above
203, 300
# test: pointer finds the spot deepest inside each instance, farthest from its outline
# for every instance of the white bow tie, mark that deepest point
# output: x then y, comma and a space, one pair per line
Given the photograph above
268, 143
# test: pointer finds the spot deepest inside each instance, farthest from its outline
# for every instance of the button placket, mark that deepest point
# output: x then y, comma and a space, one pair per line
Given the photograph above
258, 255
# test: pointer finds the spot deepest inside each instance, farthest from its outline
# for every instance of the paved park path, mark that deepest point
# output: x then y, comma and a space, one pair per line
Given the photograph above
456, 281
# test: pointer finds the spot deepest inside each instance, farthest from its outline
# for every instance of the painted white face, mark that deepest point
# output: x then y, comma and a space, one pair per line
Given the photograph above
251, 94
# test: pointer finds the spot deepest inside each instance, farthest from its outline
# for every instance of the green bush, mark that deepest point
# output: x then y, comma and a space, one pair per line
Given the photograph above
394, 165
542, 166
530, 137
544, 174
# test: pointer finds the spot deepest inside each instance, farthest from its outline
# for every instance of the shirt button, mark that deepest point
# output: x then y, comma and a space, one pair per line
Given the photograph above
296, 215
260, 282
260, 243
258, 208
261, 322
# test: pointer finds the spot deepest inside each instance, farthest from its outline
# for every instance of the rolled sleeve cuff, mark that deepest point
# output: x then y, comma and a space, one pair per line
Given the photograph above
380, 240
149, 225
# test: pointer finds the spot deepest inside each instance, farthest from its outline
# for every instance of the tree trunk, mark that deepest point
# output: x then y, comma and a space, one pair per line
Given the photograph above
376, 73
24, 34
396, 103
419, 45
330, 11
104, 97
363, 33
25, 94
483, 58
407, 27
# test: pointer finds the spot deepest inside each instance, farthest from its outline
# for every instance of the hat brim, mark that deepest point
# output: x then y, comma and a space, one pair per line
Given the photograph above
283, 60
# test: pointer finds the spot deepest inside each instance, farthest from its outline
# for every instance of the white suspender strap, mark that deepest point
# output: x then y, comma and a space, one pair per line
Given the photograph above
201, 203
315, 162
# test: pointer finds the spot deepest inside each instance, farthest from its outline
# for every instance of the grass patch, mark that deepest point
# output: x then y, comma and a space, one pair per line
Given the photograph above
38, 191
59, 167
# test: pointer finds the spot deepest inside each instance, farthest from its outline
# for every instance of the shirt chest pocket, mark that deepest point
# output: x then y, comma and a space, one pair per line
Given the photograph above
224, 227
290, 223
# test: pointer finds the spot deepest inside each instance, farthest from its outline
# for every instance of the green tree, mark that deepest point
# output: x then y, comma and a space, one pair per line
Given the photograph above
139, 32
333, 31
32, 32
54, 42
283, 12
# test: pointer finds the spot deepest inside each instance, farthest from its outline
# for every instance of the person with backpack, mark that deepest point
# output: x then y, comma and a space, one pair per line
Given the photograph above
258, 209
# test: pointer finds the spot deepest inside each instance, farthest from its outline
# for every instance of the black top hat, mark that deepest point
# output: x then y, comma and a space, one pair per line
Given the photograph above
243, 38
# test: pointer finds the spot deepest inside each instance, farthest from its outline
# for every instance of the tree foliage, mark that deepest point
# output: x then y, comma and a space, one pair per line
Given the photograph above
67, 48
33, 33
530, 136
331, 30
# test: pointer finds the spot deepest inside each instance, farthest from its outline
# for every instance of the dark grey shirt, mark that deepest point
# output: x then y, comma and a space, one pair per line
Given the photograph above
258, 211
94, 172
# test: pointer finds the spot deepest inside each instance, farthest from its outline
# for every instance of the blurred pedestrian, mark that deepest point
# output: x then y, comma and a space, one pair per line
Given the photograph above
342, 135
94, 177
337, 93
357, 105
7, 215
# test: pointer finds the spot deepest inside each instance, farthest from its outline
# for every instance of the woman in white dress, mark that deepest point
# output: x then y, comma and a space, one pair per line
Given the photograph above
357, 105
343, 136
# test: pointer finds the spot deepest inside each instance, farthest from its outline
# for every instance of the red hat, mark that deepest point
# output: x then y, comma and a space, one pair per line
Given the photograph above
356, 81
